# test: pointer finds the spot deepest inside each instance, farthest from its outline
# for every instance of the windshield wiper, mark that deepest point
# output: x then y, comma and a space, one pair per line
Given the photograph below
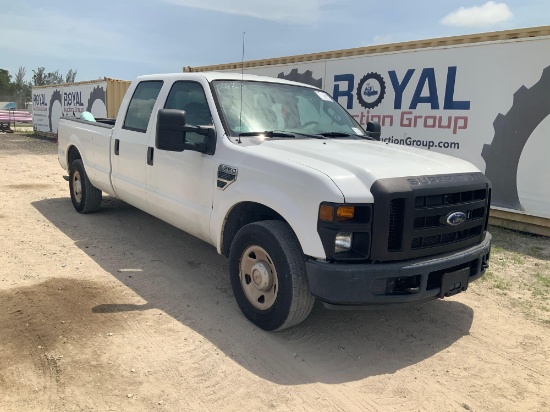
334, 134
267, 133
313, 136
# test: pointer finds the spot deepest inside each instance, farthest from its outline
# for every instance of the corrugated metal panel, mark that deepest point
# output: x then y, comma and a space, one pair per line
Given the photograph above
107, 79
116, 89
384, 48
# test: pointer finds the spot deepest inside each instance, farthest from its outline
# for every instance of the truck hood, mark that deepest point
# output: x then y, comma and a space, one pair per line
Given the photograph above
354, 165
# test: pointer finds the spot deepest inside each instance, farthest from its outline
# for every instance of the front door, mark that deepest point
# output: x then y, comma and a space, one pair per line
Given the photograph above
180, 185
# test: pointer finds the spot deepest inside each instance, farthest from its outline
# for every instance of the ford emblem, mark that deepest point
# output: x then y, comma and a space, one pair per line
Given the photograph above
456, 218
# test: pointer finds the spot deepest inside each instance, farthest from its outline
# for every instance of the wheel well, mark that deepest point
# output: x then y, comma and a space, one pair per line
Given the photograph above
241, 215
72, 155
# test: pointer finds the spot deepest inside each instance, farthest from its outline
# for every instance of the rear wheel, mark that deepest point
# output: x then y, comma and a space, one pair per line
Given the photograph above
268, 275
85, 197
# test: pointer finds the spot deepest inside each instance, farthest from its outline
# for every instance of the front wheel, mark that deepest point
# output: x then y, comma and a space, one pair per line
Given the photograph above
268, 275
85, 197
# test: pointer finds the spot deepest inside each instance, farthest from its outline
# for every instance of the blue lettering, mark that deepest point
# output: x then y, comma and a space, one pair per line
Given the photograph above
347, 93
427, 75
399, 88
450, 103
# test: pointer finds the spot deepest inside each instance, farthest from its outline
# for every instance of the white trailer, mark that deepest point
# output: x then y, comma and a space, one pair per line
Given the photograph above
50, 103
482, 97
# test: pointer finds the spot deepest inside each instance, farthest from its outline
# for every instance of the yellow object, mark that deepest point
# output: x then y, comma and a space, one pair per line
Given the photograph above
326, 213
345, 213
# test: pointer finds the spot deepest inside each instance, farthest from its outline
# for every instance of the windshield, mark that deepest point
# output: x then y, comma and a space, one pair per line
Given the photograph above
282, 108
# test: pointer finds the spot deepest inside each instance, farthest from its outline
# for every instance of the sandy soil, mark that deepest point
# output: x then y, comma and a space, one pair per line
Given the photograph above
118, 311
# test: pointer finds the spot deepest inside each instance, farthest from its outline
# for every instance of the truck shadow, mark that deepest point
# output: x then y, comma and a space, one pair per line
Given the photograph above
186, 278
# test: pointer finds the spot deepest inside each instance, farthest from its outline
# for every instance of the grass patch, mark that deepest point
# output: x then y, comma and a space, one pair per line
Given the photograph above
487, 276
496, 281
517, 259
501, 284
542, 279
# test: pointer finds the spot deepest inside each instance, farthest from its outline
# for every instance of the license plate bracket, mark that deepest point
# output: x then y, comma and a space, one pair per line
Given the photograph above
454, 282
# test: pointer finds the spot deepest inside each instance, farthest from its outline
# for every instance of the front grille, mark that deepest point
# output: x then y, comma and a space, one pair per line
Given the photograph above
437, 220
415, 214
395, 234
429, 241
450, 198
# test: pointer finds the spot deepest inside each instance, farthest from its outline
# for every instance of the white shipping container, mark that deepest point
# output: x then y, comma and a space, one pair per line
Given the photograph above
484, 98
100, 97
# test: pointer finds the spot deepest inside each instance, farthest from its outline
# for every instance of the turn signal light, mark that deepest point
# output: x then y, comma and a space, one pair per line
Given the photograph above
326, 213
345, 213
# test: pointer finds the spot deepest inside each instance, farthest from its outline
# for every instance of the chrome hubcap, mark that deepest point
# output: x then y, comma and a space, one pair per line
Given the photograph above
258, 277
77, 187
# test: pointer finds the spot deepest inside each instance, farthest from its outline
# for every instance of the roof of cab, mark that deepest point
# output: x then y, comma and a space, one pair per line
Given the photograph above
211, 76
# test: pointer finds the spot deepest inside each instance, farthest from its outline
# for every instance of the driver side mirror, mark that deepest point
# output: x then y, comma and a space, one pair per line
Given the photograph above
172, 130
374, 130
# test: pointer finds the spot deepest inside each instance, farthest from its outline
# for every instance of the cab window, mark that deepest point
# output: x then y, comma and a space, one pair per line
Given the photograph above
141, 106
189, 96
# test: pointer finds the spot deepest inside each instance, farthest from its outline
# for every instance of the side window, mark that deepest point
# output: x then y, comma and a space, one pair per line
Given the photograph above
189, 96
141, 106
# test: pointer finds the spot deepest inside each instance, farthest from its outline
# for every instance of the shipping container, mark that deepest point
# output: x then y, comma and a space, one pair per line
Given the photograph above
101, 97
481, 97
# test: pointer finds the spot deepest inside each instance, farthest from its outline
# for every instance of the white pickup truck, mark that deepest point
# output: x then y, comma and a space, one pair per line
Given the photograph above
283, 181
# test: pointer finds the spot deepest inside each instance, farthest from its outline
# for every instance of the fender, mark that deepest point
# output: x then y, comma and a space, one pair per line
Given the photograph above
295, 196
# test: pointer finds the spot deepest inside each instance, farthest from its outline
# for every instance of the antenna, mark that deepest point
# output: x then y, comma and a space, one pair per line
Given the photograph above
242, 80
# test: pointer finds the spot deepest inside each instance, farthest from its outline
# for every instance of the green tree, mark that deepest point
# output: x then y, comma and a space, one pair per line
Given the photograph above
71, 76
41, 78
5, 85
22, 90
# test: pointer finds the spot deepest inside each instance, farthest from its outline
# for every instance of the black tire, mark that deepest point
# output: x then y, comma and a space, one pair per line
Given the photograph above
86, 198
293, 300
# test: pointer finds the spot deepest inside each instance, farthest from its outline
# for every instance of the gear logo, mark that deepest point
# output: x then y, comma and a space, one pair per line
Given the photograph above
306, 77
512, 131
371, 90
56, 97
98, 93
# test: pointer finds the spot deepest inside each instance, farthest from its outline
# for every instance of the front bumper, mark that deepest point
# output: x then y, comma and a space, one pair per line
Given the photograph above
348, 284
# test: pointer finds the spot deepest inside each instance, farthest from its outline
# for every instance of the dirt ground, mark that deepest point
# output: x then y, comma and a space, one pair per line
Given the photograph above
118, 311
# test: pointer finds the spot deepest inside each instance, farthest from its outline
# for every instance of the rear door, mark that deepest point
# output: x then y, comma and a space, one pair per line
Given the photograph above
130, 144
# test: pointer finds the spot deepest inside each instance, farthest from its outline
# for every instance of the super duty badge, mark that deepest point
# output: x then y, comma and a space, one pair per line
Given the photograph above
226, 176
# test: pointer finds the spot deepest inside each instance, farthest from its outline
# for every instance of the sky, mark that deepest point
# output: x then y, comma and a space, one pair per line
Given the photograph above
123, 40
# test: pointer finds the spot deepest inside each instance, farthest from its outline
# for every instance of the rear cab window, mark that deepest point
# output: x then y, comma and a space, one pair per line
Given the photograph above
141, 105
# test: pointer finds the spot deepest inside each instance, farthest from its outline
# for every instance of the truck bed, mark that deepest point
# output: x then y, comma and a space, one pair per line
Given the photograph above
93, 138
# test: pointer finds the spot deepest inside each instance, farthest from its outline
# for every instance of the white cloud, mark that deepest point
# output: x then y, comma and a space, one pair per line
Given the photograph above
283, 11
478, 16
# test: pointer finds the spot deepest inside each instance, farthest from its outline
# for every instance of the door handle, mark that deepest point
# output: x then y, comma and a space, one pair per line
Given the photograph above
150, 152
117, 146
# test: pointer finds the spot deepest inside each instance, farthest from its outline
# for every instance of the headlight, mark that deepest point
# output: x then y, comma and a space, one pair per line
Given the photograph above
343, 242
345, 230
344, 213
